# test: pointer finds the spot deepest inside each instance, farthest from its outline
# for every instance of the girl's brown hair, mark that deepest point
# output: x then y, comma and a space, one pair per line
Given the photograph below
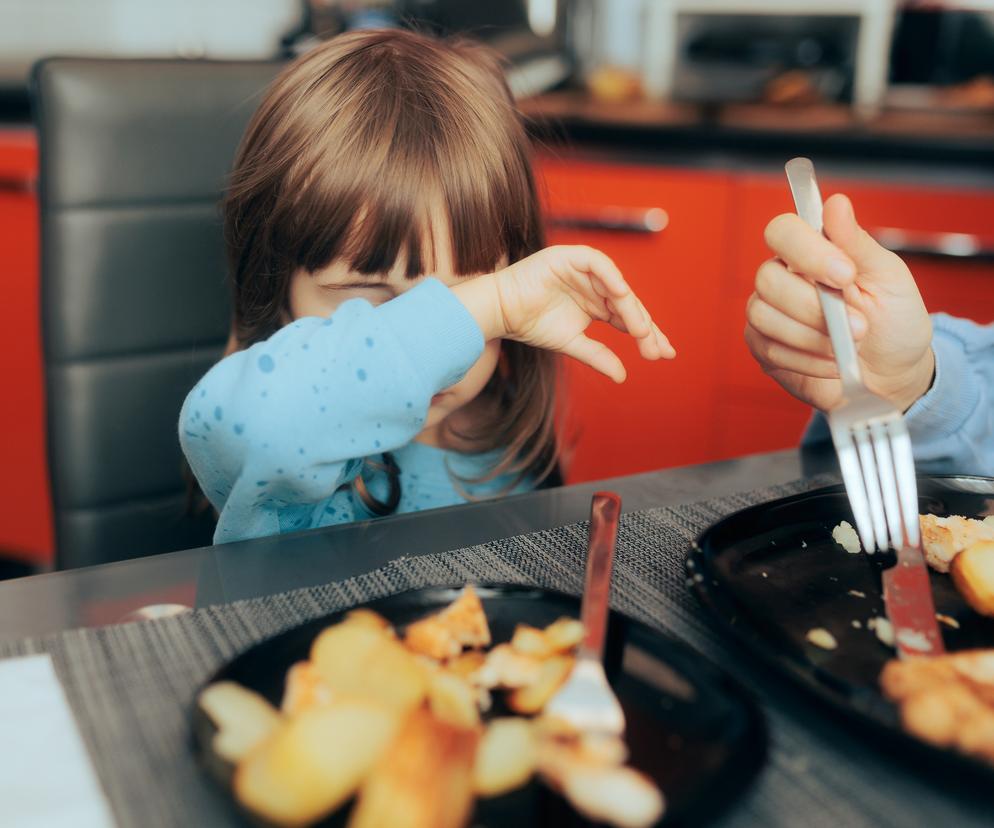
350, 148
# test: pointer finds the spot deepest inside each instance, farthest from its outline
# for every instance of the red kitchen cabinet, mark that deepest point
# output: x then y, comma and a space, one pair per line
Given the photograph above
757, 415
663, 414
25, 514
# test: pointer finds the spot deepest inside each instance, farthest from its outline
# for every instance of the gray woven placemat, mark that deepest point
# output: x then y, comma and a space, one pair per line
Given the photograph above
131, 686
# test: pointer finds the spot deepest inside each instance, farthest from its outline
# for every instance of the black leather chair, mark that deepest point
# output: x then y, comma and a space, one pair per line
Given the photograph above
133, 157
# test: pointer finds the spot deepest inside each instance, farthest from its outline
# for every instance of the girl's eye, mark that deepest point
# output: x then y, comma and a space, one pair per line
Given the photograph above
374, 294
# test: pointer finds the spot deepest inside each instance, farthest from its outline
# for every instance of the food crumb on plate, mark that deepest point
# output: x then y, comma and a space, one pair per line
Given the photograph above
845, 536
855, 593
948, 620
821, 637
914, 640
857, 624
883, 629
764, 574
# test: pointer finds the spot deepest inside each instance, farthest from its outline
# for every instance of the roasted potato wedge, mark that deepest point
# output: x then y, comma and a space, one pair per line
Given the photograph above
505, 667
244, 719
392, 675
369, 618
339, 652
973, 573
564, 635
453, 700
424, 779
305, 687
615, 794
315, 761
533, 697
530, 641
467, 663
444, 635
506, 757
431, 637
363, 660
603, 791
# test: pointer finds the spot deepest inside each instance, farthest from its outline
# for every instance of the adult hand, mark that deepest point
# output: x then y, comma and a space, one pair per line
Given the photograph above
786, 330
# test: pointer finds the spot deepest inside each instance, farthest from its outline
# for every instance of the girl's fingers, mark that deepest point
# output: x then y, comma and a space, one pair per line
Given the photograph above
654, 345
665, 348
777, 326
772, 355
807, 251
632, 314
599, 267
600, 282
597, 355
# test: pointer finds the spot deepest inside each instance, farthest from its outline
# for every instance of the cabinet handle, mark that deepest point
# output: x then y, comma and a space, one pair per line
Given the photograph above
963, 247
614, 219
14, 184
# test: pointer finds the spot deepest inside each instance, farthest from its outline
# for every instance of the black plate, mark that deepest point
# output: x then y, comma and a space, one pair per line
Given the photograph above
690, 727
772, 572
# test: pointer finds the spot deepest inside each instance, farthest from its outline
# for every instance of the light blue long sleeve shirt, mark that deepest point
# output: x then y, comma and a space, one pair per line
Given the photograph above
952, 425
273, 432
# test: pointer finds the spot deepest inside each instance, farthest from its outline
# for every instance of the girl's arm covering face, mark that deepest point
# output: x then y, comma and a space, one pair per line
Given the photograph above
284, 421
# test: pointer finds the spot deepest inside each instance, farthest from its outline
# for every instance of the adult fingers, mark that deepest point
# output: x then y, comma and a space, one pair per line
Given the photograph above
877, 265
797, 298
776, 325
773, 355
807, 251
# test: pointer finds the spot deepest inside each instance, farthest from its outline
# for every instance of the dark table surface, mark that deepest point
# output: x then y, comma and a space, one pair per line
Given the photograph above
219, 574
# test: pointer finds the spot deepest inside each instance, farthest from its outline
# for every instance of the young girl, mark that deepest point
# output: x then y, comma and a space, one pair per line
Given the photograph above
396, 327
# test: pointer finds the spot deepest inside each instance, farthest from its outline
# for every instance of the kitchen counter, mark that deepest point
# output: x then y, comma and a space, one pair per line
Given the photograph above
941, 147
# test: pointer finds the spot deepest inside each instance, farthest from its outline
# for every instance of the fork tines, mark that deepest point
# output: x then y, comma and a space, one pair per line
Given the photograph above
879, 473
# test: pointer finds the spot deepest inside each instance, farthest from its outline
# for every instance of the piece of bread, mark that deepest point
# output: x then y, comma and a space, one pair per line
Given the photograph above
943, 538
973, 574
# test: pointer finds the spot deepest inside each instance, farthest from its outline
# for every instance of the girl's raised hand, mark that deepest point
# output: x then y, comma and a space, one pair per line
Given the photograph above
549, 300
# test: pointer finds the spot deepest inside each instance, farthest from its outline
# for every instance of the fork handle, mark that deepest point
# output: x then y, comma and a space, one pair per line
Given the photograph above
807, 202
605, 509
837, 319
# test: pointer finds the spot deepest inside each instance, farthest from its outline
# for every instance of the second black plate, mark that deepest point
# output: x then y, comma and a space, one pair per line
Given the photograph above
772, 572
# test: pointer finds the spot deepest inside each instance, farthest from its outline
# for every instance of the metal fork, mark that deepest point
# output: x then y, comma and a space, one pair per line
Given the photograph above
869, 433
586, 700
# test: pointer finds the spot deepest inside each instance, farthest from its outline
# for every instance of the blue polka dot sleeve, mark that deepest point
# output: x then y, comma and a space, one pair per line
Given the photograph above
288, 420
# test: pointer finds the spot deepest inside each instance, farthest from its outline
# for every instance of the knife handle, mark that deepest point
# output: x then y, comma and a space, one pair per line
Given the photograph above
605, 509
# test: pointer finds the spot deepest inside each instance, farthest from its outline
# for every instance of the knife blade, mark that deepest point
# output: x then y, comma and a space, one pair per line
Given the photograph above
910, 607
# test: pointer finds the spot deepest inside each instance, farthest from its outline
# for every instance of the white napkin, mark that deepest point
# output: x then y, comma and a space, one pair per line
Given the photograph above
46, 779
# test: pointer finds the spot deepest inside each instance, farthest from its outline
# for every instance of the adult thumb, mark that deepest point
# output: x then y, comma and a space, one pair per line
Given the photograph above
874, 262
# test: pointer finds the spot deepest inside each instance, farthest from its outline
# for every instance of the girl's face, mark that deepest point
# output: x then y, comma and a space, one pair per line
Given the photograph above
320, 293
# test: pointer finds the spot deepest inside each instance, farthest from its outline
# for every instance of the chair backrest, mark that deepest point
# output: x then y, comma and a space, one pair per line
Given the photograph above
133, 159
